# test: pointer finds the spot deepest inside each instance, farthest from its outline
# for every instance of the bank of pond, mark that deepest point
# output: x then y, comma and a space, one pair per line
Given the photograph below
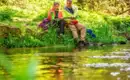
14, 37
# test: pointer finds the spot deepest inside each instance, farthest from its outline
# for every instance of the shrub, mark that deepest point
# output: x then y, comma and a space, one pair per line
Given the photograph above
6, 14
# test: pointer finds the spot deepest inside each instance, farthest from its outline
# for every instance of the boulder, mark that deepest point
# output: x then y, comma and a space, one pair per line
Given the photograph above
15, 31
127, 35
29, 31
4, 30
128, 38
122, 42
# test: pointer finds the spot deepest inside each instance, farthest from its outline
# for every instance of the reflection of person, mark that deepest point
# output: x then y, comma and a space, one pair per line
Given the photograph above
56, 14
74, 25
59, 70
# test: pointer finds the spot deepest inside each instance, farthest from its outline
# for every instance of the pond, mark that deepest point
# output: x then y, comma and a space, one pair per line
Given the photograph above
111, 62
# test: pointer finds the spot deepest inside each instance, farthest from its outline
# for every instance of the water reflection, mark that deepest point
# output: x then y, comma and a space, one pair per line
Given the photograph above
59, 66
104, 63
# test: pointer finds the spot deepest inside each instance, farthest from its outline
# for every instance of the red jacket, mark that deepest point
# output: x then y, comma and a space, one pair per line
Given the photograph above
60, 14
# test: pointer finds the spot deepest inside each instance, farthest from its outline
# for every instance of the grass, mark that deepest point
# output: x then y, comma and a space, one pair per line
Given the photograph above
106, 27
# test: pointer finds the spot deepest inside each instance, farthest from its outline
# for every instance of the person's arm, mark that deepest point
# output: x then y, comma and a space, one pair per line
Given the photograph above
75, 11
60, 14
49, 15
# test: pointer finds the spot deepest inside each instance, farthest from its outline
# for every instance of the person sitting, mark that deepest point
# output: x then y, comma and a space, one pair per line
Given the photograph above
70, 12
56, 16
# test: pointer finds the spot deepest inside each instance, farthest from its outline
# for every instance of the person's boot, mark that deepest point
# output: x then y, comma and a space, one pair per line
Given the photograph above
80, 45
59, 34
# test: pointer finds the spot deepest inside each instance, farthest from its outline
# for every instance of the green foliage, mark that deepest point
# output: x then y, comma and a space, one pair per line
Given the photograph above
6, 14
40, 16
38, 39
121, 24
106, 27
25, 41
128, 29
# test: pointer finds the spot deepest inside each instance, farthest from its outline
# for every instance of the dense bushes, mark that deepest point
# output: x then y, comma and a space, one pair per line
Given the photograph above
30, 38
106, 27
6, 14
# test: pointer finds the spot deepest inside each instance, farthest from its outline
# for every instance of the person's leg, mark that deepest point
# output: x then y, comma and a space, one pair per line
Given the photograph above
82, 43
82, 30
61, 26
74, 31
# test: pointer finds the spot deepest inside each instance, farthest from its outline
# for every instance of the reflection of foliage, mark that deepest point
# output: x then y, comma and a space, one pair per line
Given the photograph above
27, 71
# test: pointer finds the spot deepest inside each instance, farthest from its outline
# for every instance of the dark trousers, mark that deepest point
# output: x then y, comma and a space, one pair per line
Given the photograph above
61, 25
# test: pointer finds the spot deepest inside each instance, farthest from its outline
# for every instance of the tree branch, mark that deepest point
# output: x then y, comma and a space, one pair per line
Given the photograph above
124, 11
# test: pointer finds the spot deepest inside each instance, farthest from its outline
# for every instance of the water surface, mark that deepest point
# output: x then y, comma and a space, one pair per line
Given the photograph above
95, 63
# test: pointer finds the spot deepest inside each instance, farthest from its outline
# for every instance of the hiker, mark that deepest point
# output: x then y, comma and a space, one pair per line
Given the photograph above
56, 16
71, 13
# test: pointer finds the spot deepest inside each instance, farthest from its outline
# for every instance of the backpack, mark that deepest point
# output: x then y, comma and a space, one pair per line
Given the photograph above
44, 24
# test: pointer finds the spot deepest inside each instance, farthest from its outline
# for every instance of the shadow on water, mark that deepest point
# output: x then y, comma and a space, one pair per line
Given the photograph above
64, 63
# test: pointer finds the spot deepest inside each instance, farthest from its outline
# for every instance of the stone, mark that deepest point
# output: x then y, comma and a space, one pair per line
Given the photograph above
29, 31
115, 73
100, 44
4, 30
128, 76
127, 69
15, 31
122, 42
114, 44
118, 78
128, 38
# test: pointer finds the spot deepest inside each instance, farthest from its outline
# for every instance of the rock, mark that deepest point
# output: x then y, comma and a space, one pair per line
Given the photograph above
122, 69
100, 44
122, 42
127, 69
114, 44
80, 45
118, 78
91, 44
115, 73
128, 38
128, 76
15, 31
4, 30
29, 32
126, 50
127, 35
107, 65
